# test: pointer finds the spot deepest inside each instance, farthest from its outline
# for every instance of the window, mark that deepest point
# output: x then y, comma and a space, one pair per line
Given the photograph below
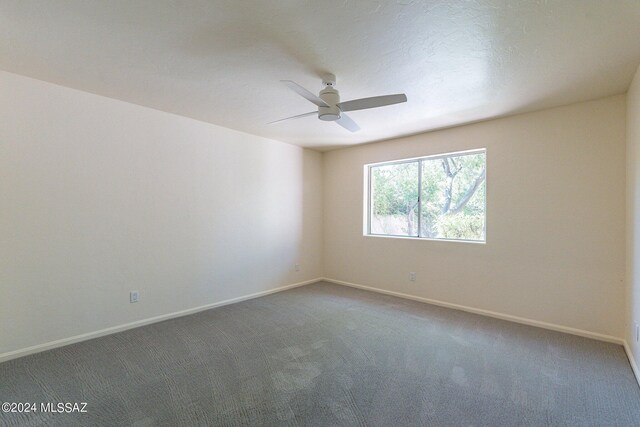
435, 197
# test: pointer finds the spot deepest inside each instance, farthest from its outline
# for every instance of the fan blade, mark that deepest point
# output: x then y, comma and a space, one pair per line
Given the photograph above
294, 117
346, 122
305, 93
373, 102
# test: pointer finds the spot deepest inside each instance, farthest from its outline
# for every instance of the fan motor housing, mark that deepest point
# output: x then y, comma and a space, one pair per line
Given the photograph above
332, 97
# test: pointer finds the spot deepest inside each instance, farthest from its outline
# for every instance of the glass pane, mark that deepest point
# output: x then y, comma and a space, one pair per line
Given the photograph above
394, 199
453, 197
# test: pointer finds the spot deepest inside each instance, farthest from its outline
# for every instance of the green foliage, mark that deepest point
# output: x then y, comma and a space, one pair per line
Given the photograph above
452, 199
395, 188
460, 226
395, 196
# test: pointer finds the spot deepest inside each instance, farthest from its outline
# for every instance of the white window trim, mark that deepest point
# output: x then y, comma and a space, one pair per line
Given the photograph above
367, 196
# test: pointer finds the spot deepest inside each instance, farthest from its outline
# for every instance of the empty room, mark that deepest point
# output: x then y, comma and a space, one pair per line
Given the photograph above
320, 213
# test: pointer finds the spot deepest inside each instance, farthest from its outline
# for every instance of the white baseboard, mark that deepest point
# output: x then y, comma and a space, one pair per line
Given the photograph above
112, 330
509, 317
632, 361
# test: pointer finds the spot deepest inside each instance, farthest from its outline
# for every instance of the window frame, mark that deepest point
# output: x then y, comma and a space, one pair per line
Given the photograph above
368, 201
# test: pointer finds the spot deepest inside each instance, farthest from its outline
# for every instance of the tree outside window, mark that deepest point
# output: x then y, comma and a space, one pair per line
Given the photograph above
437, 197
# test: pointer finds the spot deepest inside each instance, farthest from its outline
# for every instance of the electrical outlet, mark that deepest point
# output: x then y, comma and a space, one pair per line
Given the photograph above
134, 296
637, 331
412, 276
297, 267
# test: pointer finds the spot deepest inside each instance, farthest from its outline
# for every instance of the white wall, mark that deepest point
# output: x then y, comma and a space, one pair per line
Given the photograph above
633, 214
555, 248
99, 197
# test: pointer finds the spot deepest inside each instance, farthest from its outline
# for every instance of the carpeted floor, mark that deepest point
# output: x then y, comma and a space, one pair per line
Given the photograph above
326, 355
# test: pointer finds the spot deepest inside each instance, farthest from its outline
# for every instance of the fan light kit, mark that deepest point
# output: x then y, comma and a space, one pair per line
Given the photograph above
330, 109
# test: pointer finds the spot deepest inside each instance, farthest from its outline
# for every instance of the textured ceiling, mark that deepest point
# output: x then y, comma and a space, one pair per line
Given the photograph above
220, 61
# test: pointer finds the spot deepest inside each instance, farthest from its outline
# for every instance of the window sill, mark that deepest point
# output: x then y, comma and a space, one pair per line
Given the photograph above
475, 242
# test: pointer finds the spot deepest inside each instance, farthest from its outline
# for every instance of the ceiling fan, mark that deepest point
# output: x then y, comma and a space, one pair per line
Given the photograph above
331, 109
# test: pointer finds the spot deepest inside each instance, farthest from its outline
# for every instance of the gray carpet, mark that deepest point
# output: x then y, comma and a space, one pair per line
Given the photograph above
325, 355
